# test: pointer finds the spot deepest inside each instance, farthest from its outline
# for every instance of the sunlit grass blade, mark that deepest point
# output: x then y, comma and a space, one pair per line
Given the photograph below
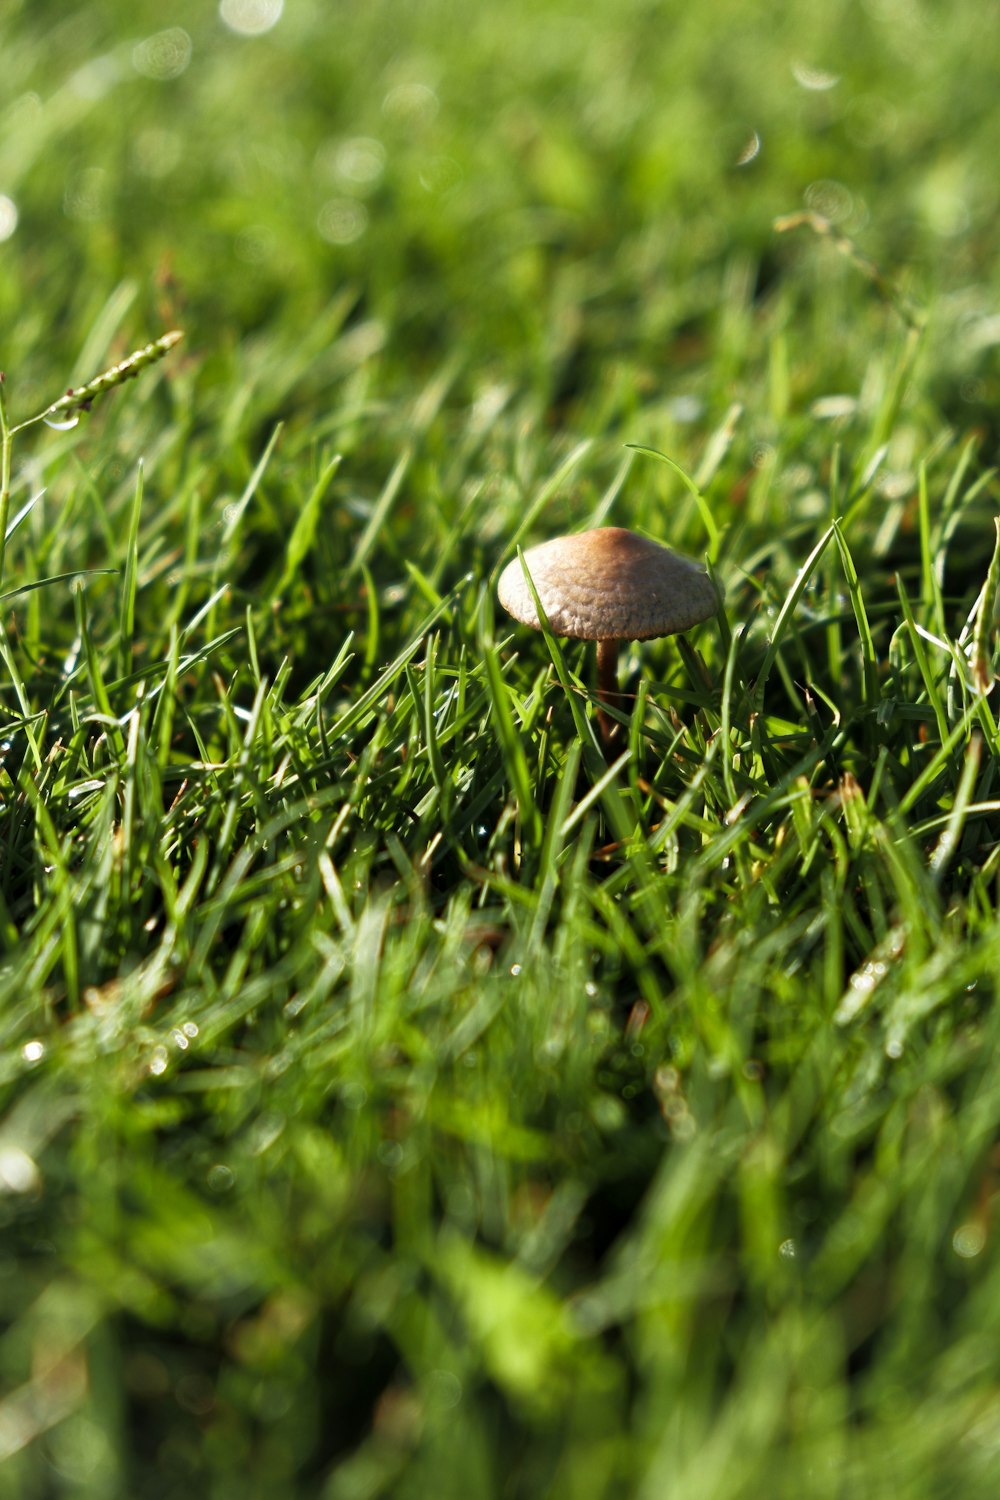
868, 658
381, 511
126, 614
512, 749
930, 681
785, 612
237, 510
982, 654
44, 583
704, 509
304, 530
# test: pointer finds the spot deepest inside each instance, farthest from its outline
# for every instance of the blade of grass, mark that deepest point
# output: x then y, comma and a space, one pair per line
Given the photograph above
304, 530
380, 512
784, 614
920, 656
982, 655
946, 846
512, 749
126, 612
704, 509
236, 512
869, 661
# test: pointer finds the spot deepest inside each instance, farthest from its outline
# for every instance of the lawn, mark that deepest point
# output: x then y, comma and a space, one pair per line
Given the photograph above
397, 1099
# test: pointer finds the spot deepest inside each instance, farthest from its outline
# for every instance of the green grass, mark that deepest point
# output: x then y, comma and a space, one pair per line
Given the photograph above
395, 1100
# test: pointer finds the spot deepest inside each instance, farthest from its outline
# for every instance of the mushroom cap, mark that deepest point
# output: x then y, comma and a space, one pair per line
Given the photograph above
606, 585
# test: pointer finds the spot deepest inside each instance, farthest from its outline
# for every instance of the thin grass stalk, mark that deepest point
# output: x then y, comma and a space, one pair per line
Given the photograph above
5, 443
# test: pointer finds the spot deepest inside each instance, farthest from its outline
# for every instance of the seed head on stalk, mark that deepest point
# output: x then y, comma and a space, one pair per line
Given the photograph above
67, 410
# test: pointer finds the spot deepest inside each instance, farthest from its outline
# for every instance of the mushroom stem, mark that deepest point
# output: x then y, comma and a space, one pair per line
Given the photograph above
607, 691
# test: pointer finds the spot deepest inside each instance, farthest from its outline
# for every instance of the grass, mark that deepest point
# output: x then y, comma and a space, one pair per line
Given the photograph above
395, 1099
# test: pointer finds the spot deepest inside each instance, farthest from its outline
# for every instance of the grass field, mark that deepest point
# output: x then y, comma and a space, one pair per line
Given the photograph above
395, 1099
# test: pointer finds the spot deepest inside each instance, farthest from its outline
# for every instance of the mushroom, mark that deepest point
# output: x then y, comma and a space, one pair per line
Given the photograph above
608, 586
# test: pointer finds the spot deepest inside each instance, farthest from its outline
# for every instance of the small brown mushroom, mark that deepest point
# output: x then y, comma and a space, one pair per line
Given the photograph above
608, 586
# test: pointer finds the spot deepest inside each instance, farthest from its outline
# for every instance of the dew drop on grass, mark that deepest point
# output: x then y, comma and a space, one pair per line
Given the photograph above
63, 423
8, 216
341, 221
360, 161
220, 1177
817, 80
750, 151
251, 17
33, 1052
18, 1173
830, 198
685, 408
411, 103
164, 55
968, 1240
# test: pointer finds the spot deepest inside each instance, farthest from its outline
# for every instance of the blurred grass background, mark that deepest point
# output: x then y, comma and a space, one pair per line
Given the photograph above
384, 1112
